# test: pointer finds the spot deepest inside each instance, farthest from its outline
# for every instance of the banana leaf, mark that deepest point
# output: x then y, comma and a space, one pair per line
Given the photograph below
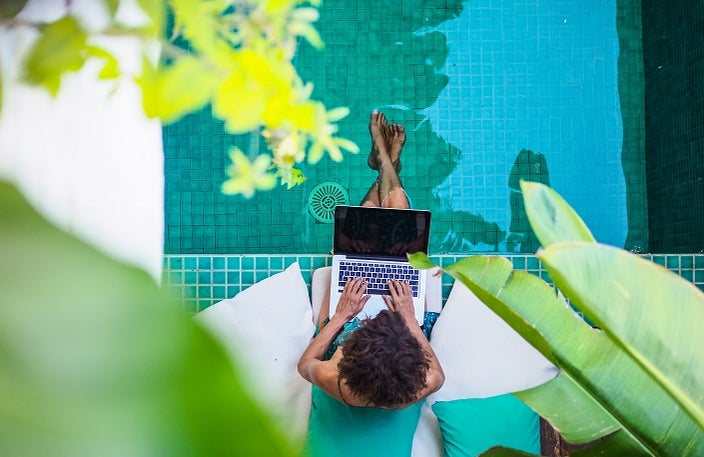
626, 387
658, 314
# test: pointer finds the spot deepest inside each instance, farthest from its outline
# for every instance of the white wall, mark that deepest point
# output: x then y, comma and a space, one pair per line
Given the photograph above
89, 159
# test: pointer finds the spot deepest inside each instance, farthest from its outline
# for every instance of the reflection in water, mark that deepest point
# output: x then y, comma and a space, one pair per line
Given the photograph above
528, 166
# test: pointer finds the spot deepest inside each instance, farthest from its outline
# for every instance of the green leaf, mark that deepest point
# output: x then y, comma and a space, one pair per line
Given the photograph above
96, 360
586, 420
658, 316
347, 144
551, 218
112, 6
618, 444
111, 69
499, 451
60, 48
610, 387
182, 87
11, 8
420, 261
156, 11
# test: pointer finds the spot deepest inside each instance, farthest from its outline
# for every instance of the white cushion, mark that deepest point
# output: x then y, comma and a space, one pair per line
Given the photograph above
481, 355
265, 328
427, 441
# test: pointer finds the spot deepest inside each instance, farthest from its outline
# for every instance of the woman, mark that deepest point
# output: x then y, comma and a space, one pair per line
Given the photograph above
385, 362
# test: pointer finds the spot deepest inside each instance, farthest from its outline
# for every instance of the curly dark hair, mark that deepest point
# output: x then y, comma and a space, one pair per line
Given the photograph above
383, 362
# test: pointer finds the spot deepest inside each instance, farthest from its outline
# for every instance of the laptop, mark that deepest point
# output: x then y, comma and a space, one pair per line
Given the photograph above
372, 243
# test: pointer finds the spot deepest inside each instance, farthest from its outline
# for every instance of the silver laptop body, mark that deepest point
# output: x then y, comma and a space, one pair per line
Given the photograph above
372, 243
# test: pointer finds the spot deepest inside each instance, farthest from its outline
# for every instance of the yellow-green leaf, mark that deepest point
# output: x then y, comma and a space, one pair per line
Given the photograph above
239, 103
111, 68
338, 113
551, 218
420, 261
347, 144
156, 11
60, 48
315, 153
170, 92
308, 32
291, 177
112, 6
247, 177
10, 8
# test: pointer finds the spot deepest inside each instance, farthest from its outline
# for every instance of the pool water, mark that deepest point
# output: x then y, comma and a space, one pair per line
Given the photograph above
489, 92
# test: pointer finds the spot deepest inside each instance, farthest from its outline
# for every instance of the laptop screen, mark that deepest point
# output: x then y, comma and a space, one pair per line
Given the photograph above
380, 232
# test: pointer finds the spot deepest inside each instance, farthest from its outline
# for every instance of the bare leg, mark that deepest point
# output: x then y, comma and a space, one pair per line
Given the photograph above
387, 143
391, 191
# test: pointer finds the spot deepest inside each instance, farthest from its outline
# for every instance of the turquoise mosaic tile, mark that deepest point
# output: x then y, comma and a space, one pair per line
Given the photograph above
489, 92
227, 275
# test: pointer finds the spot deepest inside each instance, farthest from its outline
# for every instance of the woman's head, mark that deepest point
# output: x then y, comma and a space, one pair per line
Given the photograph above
383, 362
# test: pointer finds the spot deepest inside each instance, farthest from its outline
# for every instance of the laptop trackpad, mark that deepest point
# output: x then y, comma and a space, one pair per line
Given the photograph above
374, 306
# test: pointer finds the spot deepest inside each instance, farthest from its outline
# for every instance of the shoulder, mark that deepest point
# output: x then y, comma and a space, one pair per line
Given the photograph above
324, 374
433, 382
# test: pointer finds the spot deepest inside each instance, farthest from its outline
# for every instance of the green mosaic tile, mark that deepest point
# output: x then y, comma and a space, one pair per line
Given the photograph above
262, 263
229, 282
205, 277
365, 47
219, 292
190, 277
219, 277
247, 277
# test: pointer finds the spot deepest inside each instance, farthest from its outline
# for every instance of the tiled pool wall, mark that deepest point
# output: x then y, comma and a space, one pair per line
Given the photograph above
673, 57
199, 281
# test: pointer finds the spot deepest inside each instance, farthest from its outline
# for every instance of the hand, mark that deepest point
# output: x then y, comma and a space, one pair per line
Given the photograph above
352, 299
401, 299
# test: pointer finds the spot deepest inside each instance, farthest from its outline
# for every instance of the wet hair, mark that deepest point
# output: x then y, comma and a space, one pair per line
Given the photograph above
383, 362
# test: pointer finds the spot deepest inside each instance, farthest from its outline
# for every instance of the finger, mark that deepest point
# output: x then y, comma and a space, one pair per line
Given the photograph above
395, 288
392, 286
389, 302
351, 285
357, 286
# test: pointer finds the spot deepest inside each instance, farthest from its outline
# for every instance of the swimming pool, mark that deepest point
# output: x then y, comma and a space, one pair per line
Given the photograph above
489, 92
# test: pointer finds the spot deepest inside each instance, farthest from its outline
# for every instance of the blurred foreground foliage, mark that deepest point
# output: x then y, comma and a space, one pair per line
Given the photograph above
234, 55
96, 361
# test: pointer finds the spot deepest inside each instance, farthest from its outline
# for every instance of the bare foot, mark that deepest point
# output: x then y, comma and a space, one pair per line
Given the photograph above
386, 139
377, 130
396, 140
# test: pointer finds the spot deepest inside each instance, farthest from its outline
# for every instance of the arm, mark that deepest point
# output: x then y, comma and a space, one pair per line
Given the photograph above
401, 301
351, 303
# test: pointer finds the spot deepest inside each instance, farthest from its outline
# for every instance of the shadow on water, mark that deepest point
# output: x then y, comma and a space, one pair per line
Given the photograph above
528, 166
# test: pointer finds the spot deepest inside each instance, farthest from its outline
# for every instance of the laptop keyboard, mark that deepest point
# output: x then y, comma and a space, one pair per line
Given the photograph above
377, 275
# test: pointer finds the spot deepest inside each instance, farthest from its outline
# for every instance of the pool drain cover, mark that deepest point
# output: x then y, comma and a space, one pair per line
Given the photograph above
323, 199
